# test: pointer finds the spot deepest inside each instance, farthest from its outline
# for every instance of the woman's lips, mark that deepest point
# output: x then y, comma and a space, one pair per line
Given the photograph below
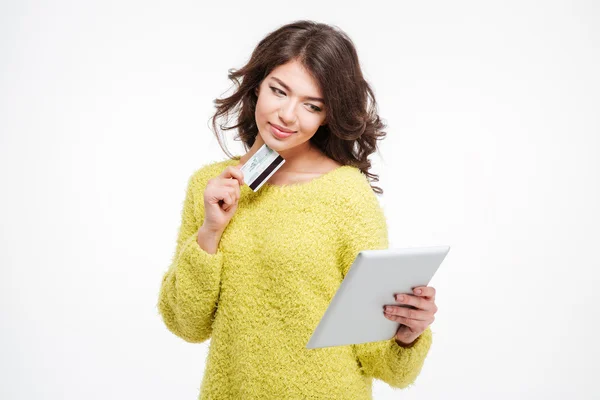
278, 133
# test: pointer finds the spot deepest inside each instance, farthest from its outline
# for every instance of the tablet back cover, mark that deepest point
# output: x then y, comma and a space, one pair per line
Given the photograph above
355, 313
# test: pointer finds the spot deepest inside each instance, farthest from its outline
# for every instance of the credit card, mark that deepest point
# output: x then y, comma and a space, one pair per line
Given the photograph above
259, 168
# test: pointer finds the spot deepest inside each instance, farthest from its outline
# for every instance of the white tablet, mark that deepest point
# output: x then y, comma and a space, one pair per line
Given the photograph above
355, 313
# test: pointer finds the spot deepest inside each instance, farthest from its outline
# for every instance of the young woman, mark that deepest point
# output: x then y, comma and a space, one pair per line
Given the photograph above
255, 271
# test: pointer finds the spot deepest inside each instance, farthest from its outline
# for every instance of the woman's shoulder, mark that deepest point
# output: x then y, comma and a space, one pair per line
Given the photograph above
355, 196
354, 184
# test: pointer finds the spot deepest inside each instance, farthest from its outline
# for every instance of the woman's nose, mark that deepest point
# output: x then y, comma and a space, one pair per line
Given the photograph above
287, 113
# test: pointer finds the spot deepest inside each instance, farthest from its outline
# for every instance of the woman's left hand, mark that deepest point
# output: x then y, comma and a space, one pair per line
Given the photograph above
413, 322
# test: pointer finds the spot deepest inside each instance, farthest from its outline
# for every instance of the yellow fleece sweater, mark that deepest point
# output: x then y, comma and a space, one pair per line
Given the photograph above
261, 295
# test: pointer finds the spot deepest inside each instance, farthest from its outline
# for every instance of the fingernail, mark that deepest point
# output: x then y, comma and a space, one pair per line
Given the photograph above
418, 291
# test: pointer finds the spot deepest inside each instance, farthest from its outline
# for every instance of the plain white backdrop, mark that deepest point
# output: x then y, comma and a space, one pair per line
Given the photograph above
493, 143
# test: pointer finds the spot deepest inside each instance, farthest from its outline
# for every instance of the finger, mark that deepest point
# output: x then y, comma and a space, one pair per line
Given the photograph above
229, 202
233, 193
411, 323
216, 195
233, 172
233, 183
218, 187
424, 291
414, 301
230, 183
407, 313
227, 190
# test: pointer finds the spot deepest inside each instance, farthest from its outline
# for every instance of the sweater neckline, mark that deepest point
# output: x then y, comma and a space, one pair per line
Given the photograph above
300, 185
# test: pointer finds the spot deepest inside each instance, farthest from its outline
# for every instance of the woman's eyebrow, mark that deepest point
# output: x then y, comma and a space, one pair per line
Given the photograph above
290, 90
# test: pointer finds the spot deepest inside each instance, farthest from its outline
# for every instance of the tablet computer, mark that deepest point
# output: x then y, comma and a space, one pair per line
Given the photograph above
355, 313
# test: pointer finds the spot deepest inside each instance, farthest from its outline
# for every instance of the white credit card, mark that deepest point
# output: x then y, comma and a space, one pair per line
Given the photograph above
259, 168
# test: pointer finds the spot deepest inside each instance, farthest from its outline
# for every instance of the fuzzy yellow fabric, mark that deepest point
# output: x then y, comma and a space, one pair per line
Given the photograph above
261, 295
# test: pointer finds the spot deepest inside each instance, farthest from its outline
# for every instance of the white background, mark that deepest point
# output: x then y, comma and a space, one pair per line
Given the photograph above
492, 111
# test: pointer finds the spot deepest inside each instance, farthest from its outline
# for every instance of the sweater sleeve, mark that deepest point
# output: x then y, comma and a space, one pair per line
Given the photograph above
365, 228
190, 287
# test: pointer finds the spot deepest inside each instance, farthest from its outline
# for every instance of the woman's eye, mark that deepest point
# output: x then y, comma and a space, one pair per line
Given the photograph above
274, 89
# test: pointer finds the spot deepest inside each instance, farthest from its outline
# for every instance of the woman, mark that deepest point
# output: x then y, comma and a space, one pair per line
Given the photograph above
255, 271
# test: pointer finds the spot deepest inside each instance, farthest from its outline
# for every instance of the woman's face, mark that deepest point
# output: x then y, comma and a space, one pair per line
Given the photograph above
288, 97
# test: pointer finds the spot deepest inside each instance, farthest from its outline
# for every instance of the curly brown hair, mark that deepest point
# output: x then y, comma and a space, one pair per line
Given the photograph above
329, 56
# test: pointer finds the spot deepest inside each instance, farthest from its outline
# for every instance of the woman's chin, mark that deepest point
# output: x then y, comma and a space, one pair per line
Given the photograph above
273, 143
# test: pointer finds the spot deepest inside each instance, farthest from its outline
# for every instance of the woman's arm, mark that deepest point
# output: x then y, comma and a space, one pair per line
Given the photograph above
365, 228
190, 287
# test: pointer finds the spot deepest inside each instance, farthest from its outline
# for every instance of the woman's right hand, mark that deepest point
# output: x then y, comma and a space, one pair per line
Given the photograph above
221, 198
